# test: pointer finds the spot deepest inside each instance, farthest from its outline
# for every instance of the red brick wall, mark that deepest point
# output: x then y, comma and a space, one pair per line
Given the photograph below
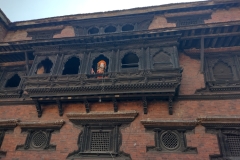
134, 137
21, 35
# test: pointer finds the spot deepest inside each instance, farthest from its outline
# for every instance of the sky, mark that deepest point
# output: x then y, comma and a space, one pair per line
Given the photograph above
20, 10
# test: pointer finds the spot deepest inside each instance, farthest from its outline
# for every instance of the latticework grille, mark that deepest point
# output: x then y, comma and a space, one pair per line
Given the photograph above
170, 140
234, 145
100, 141
39, 140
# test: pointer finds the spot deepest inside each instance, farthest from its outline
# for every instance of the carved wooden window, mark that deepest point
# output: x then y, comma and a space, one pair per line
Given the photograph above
44, 67
99, 140
95, 63
38, 139
71, 66
171, 141
14, 81
93, 30
128, 27
162, 60
130, 60
229, 143
110, 29
222, 71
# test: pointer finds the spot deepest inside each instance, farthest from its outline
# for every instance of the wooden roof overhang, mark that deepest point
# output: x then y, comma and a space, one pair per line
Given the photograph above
162, 9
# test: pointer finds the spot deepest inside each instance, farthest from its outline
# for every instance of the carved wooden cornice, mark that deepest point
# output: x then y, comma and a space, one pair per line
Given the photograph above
161, 123
8, 123
103, 117
41, 124
220, 121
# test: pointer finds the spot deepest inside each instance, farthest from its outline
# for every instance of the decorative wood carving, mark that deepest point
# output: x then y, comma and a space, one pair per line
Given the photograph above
39, 134
145, 105
170, 135
6, 125
97, 125
87, 105
170, 105
222, 73
224, 127
115, 104
99, 26
60, 107
39, 108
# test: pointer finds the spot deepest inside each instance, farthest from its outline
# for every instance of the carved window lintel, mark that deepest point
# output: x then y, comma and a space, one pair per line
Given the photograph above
39, 135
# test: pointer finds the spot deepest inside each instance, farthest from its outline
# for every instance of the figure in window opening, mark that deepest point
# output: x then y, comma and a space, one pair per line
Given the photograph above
101, 67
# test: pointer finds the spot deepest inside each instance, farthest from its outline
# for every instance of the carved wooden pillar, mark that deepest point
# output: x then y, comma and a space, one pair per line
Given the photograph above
27, 62
202, 54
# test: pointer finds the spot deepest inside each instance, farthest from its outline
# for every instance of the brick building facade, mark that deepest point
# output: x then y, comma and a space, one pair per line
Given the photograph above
151, 83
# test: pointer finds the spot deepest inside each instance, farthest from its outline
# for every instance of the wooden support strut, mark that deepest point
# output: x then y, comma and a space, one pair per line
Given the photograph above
87, 106
145, 105
170, 105
39, 108
60, 108
202, 55
115, 104
27, 62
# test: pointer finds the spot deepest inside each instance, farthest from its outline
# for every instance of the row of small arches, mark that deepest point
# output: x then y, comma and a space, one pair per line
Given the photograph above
111, 29
72, 66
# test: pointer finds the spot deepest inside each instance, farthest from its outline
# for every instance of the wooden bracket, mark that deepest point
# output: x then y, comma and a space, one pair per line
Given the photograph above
39, 108
145, 105
115, 104
170, 105
87, 106
60, 108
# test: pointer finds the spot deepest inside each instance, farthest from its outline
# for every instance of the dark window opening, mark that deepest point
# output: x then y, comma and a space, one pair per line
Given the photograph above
44, 67
13, 81
128, 27
95, 63
93, 30
71, 66
222, 71
110, 29
130, 60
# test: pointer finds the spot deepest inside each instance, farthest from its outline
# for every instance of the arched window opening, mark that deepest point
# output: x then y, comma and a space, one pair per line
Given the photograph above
71, 66
127, 27
110, 29
222, 71
161, 60
100, 65
93, 30
130, 60
14, 81
44, 66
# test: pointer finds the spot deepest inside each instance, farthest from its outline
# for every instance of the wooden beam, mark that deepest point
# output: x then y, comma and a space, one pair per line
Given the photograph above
202, 54
212, 35
11, 52
18, 63
213, 50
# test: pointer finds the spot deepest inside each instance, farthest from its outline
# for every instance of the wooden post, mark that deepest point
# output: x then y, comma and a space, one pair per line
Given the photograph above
27, 62
202, 55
